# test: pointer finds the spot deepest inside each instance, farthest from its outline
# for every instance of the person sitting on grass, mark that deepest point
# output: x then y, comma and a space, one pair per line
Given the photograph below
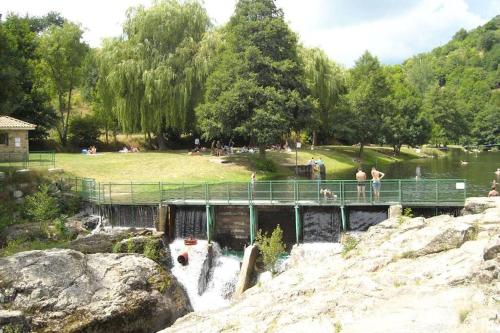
124, 150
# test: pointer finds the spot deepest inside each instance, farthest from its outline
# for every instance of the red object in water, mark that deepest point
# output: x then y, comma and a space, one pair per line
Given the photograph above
183, 258
190, 241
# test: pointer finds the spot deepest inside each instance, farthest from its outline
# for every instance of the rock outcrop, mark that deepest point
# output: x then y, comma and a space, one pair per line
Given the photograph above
68, 291
404, 275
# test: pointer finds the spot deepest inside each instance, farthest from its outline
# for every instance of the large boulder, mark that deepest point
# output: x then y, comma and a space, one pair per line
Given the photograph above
103, 242
68, 291
476, 205
404, 275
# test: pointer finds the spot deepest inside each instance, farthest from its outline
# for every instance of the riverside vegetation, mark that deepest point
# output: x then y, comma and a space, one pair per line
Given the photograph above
249, 80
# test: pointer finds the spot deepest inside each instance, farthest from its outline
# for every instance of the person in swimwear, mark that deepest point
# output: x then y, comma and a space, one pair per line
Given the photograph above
376, 182
361, 178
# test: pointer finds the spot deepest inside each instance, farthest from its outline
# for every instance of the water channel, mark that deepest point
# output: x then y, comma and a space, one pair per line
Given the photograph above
479, 170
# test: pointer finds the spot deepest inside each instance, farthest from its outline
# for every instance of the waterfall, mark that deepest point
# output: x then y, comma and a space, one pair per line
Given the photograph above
209, 277
190, 221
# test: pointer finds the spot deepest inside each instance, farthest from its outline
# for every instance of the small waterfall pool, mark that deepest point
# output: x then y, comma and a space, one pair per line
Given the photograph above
209, 279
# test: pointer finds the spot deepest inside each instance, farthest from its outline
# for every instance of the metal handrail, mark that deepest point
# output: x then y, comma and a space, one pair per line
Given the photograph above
340, 192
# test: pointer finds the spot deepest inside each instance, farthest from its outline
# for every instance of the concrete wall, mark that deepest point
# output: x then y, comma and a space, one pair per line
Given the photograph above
232, 226
270, 216
11, 147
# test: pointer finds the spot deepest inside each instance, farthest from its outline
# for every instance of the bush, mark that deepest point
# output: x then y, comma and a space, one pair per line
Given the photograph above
265, 165
271, 247
41, 206
152, 250
349, 243
84, 131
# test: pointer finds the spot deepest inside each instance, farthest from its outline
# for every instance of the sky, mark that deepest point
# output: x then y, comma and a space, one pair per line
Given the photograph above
393, 30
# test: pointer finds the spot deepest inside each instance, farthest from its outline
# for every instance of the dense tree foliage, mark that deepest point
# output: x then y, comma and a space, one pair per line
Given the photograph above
62, 53
369, 89
326, 82
467, 67
150, 78
20, 94
404, 121
172, 73
256, 89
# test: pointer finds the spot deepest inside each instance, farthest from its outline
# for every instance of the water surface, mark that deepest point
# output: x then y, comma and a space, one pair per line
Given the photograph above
479, 171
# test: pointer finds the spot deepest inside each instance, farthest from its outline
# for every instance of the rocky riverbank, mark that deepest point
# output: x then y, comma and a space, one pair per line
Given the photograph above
88, 289
404, 275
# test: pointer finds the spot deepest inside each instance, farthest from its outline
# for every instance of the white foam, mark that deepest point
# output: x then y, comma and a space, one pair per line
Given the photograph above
223, 274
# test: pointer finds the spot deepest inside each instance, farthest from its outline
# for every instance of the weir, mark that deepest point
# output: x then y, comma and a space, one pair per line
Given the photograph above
232, 212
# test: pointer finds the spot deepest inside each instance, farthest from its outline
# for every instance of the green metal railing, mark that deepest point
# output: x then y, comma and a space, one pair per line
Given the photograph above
431, 192
31, 159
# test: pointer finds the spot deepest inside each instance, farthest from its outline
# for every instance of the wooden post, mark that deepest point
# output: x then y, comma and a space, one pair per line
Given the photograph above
162, 219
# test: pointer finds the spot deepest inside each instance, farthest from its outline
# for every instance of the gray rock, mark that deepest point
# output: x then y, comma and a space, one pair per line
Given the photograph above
443, 286
492, 249
13, 321
67, 291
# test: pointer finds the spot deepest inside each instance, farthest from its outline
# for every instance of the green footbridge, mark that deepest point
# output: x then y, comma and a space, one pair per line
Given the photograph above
425, 193
293, 193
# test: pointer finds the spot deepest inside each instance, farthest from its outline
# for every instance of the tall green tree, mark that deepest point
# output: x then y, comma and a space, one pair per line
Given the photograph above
256, 89
153, 71
20, 96
443, 110
369, 89
62, 53
404, 122
326, 83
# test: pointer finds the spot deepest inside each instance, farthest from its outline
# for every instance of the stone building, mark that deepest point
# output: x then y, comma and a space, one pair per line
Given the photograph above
14, 144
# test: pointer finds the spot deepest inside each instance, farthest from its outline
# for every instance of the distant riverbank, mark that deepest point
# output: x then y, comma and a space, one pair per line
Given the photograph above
178, 165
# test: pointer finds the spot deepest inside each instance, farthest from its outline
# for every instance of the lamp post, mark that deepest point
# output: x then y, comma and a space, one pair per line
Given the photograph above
297, 146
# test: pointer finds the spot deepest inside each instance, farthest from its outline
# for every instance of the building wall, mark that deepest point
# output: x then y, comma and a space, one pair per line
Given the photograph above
11, 147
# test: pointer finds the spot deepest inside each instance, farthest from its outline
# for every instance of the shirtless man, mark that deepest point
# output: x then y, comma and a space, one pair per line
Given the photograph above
376, 177
493, 193
361, 178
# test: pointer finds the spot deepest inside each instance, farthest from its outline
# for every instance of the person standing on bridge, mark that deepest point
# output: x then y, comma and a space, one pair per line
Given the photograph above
377, 184
361, 178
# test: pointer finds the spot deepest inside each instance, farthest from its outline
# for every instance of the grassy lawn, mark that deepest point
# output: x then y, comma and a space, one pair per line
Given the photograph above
179, 166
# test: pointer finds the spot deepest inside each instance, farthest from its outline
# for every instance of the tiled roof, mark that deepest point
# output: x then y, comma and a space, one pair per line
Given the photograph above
7, 122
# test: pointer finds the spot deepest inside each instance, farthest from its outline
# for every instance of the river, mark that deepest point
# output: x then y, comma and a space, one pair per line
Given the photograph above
479, 171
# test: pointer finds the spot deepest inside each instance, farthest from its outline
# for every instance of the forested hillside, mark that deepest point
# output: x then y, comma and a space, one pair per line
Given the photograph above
461, 85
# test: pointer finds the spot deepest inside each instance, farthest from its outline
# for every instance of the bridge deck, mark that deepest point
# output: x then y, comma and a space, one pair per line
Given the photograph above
425, 193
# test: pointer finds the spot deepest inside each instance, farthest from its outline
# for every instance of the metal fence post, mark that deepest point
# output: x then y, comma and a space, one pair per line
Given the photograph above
131, 192
437, 193
400, 192
209, 224
297, 224
252, 224
271, 191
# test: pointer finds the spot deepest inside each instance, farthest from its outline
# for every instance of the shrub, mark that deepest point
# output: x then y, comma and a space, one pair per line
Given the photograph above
407, 212
349, 243
117, 247
41, 206
265, 165
84, 131
131, 246
70, 204
152, 250
271, 247
60, 227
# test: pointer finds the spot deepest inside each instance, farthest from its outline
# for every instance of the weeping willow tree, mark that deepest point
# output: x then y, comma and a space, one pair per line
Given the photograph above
326, 83
153, 72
